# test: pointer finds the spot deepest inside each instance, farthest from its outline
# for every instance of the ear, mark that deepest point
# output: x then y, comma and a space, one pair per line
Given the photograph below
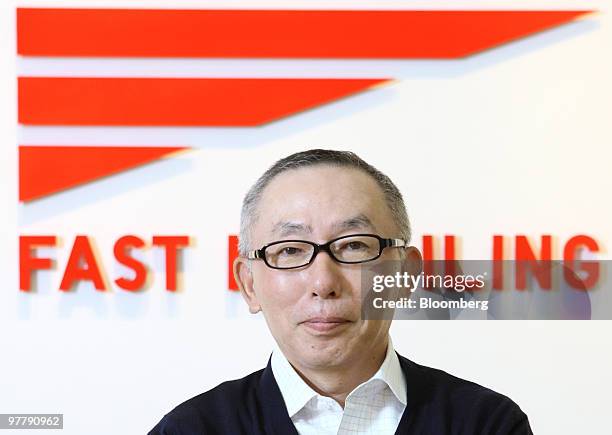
244, 278
413, 260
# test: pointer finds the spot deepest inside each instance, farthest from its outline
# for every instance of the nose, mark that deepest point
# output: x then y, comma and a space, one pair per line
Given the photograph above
324, 275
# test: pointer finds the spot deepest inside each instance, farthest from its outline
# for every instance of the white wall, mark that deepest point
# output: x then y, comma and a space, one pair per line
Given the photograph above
512, 141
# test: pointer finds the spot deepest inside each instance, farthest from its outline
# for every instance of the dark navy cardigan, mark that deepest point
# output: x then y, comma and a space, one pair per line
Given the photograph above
438, 404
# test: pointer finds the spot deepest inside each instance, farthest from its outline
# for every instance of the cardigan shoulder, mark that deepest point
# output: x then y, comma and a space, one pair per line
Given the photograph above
448, 404
231, 405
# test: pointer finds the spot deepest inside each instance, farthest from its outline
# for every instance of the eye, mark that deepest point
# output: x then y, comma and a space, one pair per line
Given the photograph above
290, 250
355, 246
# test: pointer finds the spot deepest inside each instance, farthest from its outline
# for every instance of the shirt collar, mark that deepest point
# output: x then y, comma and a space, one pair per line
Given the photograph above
296, 393
391, 373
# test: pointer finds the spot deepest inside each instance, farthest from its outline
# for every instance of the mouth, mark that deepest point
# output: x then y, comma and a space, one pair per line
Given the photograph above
325, 324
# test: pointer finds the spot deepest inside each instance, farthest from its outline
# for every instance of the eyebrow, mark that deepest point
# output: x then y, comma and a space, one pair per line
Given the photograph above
356, 222
286, 228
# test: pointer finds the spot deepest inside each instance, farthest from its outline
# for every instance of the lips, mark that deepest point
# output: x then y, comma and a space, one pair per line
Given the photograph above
325, 324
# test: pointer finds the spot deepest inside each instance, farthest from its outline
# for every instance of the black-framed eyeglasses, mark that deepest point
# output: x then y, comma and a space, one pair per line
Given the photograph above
351, 249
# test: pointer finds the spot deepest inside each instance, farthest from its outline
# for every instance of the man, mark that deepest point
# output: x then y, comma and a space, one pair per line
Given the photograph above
308, 226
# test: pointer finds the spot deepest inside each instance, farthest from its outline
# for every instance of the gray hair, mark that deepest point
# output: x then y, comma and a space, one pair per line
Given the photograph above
393, 197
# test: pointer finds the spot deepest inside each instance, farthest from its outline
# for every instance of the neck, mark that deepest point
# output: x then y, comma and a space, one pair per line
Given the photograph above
338, 382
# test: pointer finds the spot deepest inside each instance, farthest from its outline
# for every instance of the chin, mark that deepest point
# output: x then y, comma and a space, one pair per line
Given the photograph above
323, 354
321, 361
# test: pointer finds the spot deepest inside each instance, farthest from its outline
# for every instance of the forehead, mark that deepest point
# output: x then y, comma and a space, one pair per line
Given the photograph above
321, 201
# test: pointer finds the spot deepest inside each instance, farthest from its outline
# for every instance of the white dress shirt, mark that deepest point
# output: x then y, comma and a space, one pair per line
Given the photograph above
374, 407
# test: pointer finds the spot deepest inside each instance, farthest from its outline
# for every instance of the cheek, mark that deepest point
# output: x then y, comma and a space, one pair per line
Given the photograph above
277, 293
351, 285
354, 281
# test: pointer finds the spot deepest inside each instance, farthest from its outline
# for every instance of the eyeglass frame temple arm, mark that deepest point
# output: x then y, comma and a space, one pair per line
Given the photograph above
255, 254
395, 243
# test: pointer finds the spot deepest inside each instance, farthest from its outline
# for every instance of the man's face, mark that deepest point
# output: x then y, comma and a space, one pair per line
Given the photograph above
314, 312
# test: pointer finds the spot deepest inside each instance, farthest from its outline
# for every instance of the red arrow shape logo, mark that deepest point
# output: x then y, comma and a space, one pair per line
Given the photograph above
274, 33
44, 170
174, 102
